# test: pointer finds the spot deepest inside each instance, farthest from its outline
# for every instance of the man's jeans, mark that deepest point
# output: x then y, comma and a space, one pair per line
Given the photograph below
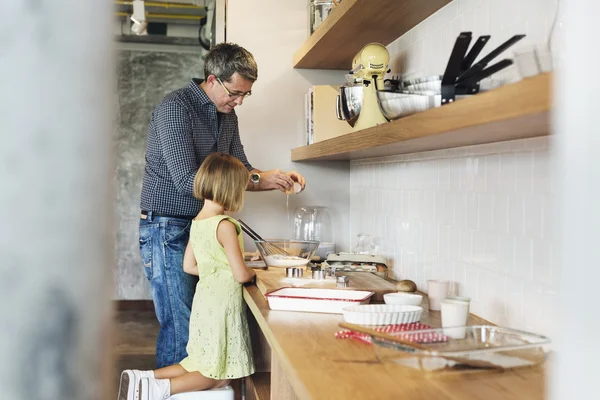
162, 245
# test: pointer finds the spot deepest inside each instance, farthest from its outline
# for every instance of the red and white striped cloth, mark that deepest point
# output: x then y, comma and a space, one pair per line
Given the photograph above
396, 330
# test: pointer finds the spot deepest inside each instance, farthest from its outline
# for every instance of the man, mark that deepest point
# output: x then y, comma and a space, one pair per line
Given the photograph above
187, 126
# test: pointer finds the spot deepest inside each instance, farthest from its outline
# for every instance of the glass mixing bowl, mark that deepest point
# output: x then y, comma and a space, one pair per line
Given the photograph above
280, 253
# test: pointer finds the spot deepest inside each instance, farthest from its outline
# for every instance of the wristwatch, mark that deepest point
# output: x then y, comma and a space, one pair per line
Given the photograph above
255, 178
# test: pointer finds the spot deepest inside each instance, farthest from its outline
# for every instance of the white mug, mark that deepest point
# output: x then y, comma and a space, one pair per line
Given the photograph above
455, 314
436, 291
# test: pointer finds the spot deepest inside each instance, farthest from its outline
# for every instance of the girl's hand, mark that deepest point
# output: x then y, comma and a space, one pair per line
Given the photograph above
227, 237
189, 261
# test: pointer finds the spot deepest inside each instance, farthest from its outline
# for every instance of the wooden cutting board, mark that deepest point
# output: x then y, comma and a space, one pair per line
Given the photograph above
274, 278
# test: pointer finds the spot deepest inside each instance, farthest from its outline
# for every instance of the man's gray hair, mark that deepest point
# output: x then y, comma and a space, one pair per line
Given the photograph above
225, 59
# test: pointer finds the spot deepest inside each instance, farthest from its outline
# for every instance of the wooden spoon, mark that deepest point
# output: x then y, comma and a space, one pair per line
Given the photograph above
418, 346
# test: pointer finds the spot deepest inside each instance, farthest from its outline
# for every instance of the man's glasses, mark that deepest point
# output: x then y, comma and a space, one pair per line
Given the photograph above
234, 95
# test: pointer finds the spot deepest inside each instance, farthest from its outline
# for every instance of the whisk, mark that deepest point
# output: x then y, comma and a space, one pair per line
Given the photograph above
269, 248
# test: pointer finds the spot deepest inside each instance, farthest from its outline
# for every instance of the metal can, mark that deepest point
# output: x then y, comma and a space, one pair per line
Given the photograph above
297, 272
318, 274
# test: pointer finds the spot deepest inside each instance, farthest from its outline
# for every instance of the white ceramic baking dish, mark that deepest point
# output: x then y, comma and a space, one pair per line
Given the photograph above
382, 314
330, 301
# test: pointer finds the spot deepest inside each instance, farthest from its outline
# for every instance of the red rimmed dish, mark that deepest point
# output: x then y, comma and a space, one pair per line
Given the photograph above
331, 301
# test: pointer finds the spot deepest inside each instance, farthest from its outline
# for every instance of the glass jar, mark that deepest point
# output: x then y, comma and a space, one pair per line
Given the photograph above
364, 244
318, 10
315, 223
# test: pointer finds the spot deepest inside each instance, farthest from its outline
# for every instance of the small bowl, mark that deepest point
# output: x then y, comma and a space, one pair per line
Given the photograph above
403, 298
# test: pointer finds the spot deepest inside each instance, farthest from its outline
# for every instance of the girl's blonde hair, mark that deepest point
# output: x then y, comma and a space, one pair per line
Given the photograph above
222, 178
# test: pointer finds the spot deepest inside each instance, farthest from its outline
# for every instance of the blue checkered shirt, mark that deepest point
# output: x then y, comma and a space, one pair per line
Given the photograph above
184, 129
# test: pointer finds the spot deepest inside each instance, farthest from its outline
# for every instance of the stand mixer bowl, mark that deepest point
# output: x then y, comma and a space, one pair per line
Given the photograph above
351, 98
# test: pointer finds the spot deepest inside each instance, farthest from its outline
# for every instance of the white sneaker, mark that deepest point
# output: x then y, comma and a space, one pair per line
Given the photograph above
130, 383
154, 389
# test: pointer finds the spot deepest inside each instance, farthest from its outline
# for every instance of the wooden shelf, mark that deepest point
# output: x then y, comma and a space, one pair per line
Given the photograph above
355, 23
515, 111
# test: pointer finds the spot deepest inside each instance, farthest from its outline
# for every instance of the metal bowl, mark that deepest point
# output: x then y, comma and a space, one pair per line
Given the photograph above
279, 253
394, 105
351, 98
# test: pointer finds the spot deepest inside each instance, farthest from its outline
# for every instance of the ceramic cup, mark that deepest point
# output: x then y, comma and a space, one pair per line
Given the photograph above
455, 314
437, 291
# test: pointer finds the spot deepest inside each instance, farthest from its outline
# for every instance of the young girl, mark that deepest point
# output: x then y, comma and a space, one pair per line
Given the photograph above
219, 343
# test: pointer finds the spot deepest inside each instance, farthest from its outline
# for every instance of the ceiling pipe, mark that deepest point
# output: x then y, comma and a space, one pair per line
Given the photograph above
169, 16
163, 5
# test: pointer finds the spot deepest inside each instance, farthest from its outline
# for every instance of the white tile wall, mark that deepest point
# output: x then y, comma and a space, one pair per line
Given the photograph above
425, 49
479, 216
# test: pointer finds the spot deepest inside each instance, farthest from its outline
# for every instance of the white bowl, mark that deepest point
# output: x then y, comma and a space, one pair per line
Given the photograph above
382, 314
402, 298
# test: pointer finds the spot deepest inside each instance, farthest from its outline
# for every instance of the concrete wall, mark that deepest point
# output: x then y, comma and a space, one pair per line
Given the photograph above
143, 79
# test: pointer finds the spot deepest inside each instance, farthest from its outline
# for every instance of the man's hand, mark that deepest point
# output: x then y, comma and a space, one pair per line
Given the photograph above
296, 177
275, 179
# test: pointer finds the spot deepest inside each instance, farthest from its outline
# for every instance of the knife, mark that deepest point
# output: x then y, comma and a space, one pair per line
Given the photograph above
474, 52
456, 56
479, 66
477, 77
453, 67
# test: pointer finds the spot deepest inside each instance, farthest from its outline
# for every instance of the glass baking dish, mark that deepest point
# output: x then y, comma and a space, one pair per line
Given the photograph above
444, 348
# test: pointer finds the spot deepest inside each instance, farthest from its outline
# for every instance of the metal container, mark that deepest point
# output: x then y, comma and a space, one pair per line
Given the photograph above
318, 274
351, 98
394, 105
297, 272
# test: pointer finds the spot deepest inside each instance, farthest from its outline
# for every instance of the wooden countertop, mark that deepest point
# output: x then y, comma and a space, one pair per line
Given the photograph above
319, 366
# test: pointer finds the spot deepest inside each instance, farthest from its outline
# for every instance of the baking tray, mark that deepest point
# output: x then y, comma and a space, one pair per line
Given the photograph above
502, 347
330, 301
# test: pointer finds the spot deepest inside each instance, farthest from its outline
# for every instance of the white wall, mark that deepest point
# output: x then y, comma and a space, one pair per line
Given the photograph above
480, 216
576, 369
425, 49
271, 121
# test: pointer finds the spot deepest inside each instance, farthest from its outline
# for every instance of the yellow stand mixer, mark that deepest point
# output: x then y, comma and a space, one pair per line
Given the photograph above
360, 99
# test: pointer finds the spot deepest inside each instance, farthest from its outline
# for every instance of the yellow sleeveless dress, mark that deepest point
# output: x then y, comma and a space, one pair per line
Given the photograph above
219, 343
